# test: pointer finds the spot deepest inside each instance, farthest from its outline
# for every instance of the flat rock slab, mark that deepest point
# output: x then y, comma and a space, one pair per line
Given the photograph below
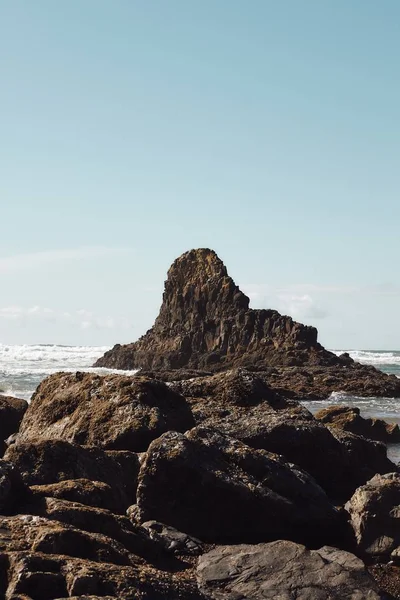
283, 570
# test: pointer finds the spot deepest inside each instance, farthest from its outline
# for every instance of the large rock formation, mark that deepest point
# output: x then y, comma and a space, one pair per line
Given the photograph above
205, 323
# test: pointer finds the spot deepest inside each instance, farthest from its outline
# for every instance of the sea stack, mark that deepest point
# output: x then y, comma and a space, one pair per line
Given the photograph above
205, 323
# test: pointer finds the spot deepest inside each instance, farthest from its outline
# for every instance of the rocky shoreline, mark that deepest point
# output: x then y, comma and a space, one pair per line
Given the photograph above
202, 477
213, 487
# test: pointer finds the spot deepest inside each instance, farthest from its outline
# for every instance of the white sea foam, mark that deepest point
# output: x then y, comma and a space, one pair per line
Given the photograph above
371, 357
22, 368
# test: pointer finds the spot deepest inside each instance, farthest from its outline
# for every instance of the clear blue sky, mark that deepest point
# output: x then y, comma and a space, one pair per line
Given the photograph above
132, 131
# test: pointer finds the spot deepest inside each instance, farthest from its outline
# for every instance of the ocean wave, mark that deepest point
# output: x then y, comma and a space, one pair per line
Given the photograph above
373, 357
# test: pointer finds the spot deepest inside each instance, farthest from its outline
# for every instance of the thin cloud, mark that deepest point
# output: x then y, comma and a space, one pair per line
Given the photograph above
83, 319
34, 260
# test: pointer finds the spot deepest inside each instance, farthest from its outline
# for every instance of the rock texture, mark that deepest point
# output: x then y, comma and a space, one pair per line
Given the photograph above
375, 516
113, 412
49, 462
349, 419
240, 404
285, 571
222, 491
205, 323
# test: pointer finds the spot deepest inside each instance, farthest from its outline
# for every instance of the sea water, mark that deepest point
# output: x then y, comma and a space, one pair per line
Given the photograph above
22, 368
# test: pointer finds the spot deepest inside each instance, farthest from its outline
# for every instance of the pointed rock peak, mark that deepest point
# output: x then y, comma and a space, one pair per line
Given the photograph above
198, 288
205, 323
198, 265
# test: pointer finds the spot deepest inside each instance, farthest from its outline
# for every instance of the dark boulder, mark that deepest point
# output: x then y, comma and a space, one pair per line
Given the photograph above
113, 412
13, 491
241, 405
172, 540
11, 412
221, 491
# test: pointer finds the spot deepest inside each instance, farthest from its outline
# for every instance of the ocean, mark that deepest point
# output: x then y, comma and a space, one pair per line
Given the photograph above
22, 368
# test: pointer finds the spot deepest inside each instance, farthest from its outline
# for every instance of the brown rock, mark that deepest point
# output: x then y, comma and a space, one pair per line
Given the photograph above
95, 520
205, 322
37, 534
349, 419
240, 404
387, 577
364, 458
46, 577
375, 516
48, 462
319, 382
222, 491
84, 491
284, 570
113, 412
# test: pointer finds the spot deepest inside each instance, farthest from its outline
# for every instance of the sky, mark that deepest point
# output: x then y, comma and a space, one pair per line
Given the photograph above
134, 130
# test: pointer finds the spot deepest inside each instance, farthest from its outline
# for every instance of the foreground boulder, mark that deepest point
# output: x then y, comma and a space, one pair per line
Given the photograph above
284, 570
348, 418
49, 462
205, 323
221, 491
112, 412
241, 405
375, 517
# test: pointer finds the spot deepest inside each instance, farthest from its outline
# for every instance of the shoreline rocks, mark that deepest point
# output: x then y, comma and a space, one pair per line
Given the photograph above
201, 479
349, 419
